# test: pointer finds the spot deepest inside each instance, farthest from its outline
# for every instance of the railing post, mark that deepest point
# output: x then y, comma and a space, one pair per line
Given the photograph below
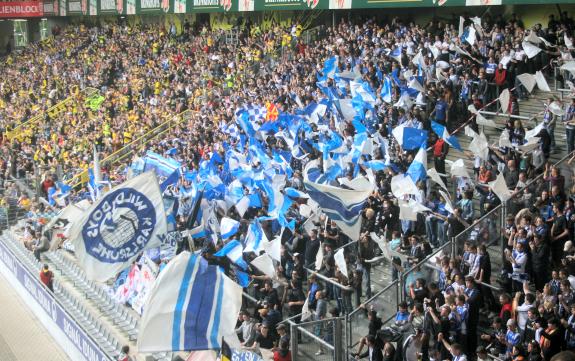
338, 351
502, 221
293, 341
348, 331
555, 79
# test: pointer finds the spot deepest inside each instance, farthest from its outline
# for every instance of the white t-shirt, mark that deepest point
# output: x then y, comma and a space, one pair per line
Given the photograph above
522, 314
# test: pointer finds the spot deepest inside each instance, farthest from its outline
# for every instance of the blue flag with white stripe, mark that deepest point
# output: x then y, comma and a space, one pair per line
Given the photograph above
442, 132
418, 168
234, 251
410, 138
192, 306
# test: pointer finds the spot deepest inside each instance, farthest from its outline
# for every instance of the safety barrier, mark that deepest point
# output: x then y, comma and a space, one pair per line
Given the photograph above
385, 302
52, 112
134, 146
321, 340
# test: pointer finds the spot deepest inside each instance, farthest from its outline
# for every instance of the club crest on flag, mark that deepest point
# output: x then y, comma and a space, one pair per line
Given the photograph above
119, 226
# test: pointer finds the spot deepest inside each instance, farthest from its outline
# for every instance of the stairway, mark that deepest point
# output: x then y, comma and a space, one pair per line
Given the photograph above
532, 109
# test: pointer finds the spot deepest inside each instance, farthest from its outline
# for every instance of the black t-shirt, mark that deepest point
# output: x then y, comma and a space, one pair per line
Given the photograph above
295, 295
485, 266
559, 225
266, 342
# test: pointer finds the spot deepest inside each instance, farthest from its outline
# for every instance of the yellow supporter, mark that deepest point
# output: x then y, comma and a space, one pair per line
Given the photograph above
298, 30
106, 129
127, 136
25, 203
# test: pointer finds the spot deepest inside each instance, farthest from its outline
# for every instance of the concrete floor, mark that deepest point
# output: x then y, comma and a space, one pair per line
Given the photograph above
22, 336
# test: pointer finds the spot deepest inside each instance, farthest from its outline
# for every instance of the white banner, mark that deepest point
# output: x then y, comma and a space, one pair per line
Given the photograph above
114, 231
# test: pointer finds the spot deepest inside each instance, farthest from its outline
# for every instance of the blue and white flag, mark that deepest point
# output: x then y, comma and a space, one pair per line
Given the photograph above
255, 238
385, 92
442, 132
171, 180
228, 227
363, 91
234, 251
341, 205
375, 165
57, 195
315, 111
254, 112
396, 54
409, 138
93, 187
163, 166
115, 230
192, 305
418, 168
97, 173
329, 69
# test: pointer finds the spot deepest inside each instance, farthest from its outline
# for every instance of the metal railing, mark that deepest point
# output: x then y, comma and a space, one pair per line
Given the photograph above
321, 340
384, 302
53, 111
568, 91
424, 269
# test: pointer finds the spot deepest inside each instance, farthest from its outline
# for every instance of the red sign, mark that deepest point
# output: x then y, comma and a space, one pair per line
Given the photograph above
21, 9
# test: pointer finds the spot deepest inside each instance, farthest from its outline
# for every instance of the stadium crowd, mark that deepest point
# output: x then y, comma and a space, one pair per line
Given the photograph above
149, 75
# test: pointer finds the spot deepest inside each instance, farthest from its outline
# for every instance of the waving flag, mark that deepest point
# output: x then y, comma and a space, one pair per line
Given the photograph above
363, 91
272, 111
171, 180
315, 111
243, 120
341, 205
233, 250
329, 69
57, 195
185, 310
163, 166
442, 132
255, 238
396, 54
410, 138
418, 168
375, 165
386, 90
229, 227
114, 231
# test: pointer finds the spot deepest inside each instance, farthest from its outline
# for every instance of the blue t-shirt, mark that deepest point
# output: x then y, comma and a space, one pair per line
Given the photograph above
513, 339
402, 316
440, 110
